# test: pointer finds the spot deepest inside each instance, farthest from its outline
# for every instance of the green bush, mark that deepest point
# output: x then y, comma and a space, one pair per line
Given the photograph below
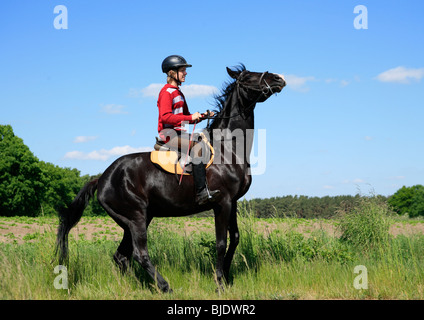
367, 224
408, 201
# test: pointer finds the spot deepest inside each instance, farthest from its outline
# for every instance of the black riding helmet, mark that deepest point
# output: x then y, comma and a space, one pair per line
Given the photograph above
173, 63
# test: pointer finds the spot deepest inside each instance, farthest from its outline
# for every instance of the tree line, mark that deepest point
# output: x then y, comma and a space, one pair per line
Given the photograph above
31, 187
407, 201
302, 206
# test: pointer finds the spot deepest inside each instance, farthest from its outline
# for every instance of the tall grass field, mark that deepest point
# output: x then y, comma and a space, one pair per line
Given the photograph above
277, 259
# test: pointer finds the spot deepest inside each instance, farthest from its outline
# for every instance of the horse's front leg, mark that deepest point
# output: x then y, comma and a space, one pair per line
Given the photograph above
234, 240
222, 216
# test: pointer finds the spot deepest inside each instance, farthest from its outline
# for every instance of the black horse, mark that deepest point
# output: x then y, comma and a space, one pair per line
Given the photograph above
133, 190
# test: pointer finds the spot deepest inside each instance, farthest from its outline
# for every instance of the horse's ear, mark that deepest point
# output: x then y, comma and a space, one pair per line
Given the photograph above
233, 74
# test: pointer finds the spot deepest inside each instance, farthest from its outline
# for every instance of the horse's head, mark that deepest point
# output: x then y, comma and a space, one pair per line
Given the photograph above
248, 89
257, 86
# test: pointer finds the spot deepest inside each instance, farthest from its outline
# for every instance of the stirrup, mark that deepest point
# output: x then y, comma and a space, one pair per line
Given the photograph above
206, 196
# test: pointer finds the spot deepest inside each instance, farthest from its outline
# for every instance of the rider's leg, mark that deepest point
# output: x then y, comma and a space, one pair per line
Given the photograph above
203, 194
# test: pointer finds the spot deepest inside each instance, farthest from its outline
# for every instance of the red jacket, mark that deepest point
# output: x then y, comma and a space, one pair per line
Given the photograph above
173, 109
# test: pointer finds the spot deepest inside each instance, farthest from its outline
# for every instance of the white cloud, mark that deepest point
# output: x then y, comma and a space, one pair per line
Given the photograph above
344, 83
298, 83
114, 109
190, 91
401, 75
82, 139
198, 90
397, 178
104, 154
331, 80
354, 181
152, 90
328, 187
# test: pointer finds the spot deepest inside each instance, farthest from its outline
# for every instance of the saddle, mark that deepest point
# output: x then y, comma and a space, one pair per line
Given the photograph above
172, 161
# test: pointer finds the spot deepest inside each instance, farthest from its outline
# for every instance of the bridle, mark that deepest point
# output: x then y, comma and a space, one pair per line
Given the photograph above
242, 110
264, 90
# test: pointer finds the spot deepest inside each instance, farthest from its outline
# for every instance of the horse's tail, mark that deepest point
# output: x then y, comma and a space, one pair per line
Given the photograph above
70, 216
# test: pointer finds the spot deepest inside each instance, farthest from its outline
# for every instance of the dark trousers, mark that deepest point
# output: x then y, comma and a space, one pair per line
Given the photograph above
181, 143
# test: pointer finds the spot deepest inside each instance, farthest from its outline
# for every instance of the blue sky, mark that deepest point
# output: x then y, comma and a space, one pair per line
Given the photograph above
351, 117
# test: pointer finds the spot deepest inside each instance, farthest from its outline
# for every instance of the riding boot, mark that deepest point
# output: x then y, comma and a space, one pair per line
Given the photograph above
203, 195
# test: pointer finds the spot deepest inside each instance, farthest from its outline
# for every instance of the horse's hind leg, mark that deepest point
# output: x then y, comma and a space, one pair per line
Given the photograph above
138, 229
124, 252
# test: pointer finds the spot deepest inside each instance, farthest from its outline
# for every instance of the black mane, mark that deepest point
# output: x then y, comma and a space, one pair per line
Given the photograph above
227, 89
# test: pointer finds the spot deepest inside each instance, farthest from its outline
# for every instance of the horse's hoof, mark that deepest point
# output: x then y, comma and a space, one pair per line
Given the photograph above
167, 289
220, 289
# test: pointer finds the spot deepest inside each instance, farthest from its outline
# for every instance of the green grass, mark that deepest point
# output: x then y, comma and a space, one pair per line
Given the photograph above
281, 264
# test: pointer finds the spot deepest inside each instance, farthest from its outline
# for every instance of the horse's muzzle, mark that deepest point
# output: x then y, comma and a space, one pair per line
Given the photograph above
284, 80
280, 81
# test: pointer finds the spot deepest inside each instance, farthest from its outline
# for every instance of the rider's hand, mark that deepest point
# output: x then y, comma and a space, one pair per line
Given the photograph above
196, 116
211, 114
